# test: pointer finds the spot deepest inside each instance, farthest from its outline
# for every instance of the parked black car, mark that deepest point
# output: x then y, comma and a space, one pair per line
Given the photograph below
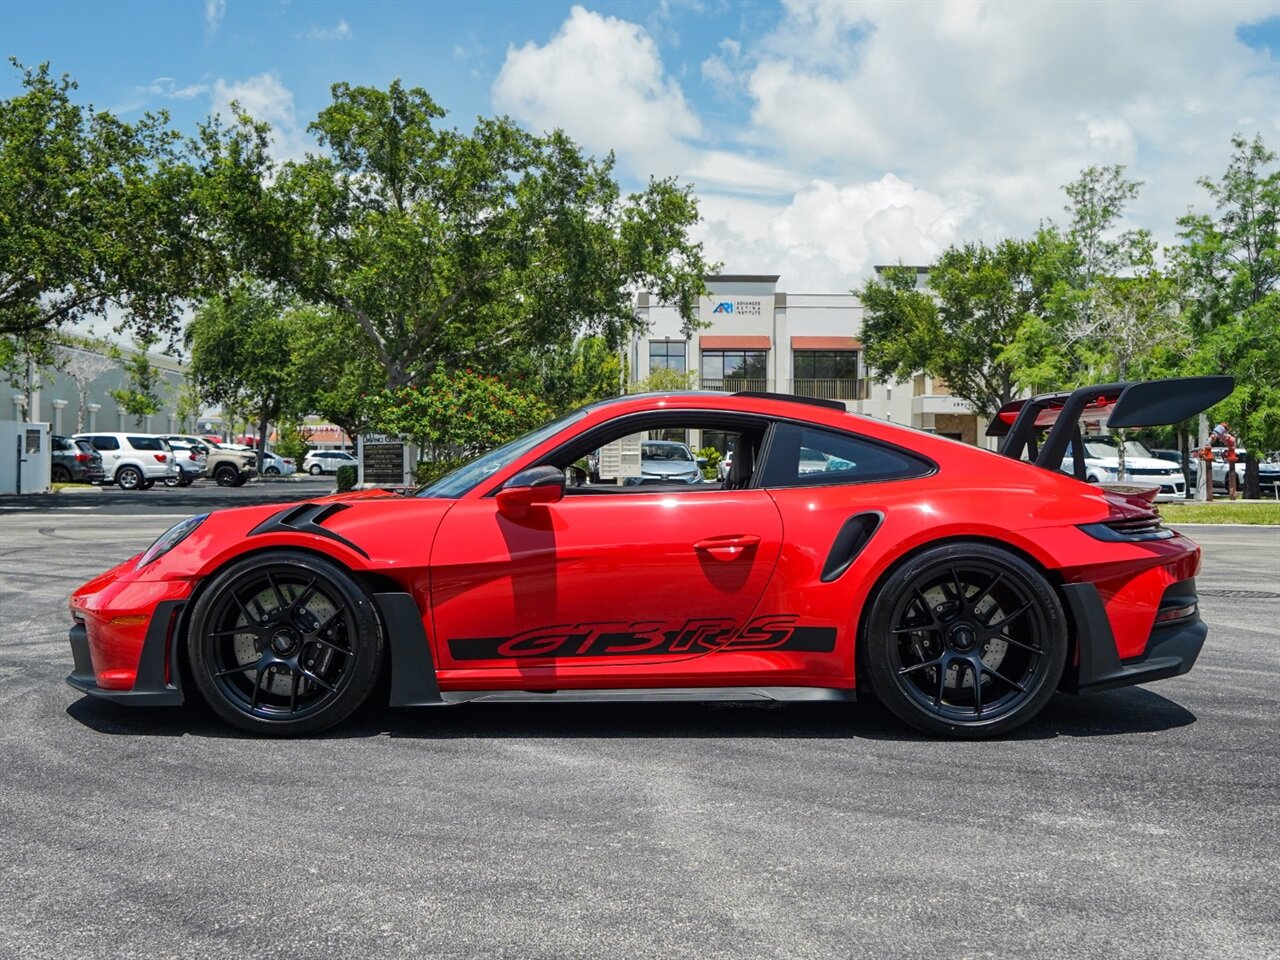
74, 461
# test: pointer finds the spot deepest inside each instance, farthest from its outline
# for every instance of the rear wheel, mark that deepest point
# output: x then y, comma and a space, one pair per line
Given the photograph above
284, 644
272, 471
966, 640
146, 484
316, 470
60, 474
129, 478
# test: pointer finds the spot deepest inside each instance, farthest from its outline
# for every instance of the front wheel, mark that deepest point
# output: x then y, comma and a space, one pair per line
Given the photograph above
226, 476
284, 644
316, 470
966, 641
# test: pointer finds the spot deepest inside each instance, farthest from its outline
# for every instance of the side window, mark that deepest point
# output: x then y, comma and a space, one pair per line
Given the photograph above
808, 456
105, 443
146, 443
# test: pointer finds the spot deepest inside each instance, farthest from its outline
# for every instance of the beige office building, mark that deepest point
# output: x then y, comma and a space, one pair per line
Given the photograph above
806, 344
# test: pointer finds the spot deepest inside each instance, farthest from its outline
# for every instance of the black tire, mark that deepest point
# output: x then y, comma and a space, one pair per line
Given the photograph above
60, 474
226, 476
175, 480
301, 619
186, 480
965, 640
272, 471
316, 470
147, 484
240, 480
129, 478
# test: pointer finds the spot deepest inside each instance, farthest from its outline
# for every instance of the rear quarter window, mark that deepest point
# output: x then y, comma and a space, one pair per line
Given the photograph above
146, 443
801, 456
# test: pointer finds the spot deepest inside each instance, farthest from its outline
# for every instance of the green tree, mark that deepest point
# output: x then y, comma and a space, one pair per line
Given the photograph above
962, 327
447, 248
241, 356
1229, 263
144, 383
587, 370
457, 415
664, 380
95, 214
333, 367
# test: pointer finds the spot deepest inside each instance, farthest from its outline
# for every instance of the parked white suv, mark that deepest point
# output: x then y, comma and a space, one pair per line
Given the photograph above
135, 461
326, 461
1102, 465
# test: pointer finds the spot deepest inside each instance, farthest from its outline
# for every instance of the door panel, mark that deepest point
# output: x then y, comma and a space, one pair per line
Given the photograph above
600, 581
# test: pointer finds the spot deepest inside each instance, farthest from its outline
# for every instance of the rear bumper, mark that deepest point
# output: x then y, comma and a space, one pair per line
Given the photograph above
1171, 650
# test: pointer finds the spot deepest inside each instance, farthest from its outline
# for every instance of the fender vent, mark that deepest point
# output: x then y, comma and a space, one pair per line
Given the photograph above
306, 518
853, 536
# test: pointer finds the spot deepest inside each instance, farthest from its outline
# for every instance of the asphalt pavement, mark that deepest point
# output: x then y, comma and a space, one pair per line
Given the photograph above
1136, 823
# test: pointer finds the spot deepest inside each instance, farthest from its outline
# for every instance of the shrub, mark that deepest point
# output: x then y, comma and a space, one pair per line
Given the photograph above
346, 477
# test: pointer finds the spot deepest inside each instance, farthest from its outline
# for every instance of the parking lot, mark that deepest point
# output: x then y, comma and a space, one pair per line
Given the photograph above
1136, 823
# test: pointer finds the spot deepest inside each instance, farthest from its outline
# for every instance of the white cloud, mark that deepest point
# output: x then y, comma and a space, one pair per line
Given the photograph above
265, 97
882, 130
340, 31
167, 87
601, 80
214, 11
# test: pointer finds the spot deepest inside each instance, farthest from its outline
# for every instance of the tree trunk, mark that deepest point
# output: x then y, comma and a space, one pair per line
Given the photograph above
262, 438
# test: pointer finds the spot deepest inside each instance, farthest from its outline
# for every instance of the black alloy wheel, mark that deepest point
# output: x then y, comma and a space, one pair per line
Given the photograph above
284, 643
129, 478
966, 640
60, 474
226, 476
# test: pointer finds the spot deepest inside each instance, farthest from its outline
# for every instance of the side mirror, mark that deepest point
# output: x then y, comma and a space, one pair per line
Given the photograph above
535, 485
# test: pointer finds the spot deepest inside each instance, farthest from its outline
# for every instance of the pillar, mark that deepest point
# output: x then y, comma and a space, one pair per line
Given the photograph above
58, 407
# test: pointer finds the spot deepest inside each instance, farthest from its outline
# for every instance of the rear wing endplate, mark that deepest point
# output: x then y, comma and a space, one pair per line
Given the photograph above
1142, 403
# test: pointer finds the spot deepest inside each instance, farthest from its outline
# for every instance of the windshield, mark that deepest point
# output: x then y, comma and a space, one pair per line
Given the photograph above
656, 450
457, 482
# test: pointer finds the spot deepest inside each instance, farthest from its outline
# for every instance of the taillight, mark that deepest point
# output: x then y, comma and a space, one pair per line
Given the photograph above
83, 458
192, 455
161, 457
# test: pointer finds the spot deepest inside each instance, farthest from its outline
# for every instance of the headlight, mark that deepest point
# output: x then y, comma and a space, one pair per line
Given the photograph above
170, 539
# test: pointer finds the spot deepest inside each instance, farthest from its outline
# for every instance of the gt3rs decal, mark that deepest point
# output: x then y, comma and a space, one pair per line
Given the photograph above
648, 638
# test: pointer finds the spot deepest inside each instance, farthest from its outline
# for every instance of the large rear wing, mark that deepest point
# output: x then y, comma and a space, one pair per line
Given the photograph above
1142, 403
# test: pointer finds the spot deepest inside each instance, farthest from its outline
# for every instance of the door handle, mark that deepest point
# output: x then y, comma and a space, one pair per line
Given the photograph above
726, 548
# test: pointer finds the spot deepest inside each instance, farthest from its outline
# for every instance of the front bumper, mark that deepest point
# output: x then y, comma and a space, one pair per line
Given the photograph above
1171, 649
157, 682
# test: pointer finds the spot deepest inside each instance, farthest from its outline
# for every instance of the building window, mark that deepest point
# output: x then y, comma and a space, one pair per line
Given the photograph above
733, 370
828, 374
667, 355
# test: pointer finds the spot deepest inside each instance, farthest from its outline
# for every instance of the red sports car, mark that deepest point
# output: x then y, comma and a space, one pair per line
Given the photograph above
841, 553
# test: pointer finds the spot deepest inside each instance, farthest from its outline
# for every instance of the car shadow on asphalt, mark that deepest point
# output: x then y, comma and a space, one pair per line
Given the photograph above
1117, 712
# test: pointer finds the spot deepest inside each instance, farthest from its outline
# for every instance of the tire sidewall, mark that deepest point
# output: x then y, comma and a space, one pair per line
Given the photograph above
368, 643
875, 640
225, 477
131, 473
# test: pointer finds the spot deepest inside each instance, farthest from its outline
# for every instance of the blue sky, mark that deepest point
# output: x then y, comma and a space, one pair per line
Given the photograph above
822, 138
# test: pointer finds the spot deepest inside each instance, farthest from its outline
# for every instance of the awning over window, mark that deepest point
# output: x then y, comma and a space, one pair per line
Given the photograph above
734, 343
825, 343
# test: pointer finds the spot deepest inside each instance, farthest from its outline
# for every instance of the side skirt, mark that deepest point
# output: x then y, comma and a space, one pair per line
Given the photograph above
665, 694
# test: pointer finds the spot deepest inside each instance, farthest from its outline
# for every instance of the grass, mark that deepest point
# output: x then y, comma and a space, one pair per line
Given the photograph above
1222, 512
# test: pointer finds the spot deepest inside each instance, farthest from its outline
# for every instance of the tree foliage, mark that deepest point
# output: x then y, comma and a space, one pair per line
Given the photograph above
94, 211
457, 415
962, 327
447, 248
1229, 263
242, 356
141, 395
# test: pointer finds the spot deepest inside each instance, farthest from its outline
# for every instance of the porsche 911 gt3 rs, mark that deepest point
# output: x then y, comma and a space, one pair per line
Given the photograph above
841, 554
